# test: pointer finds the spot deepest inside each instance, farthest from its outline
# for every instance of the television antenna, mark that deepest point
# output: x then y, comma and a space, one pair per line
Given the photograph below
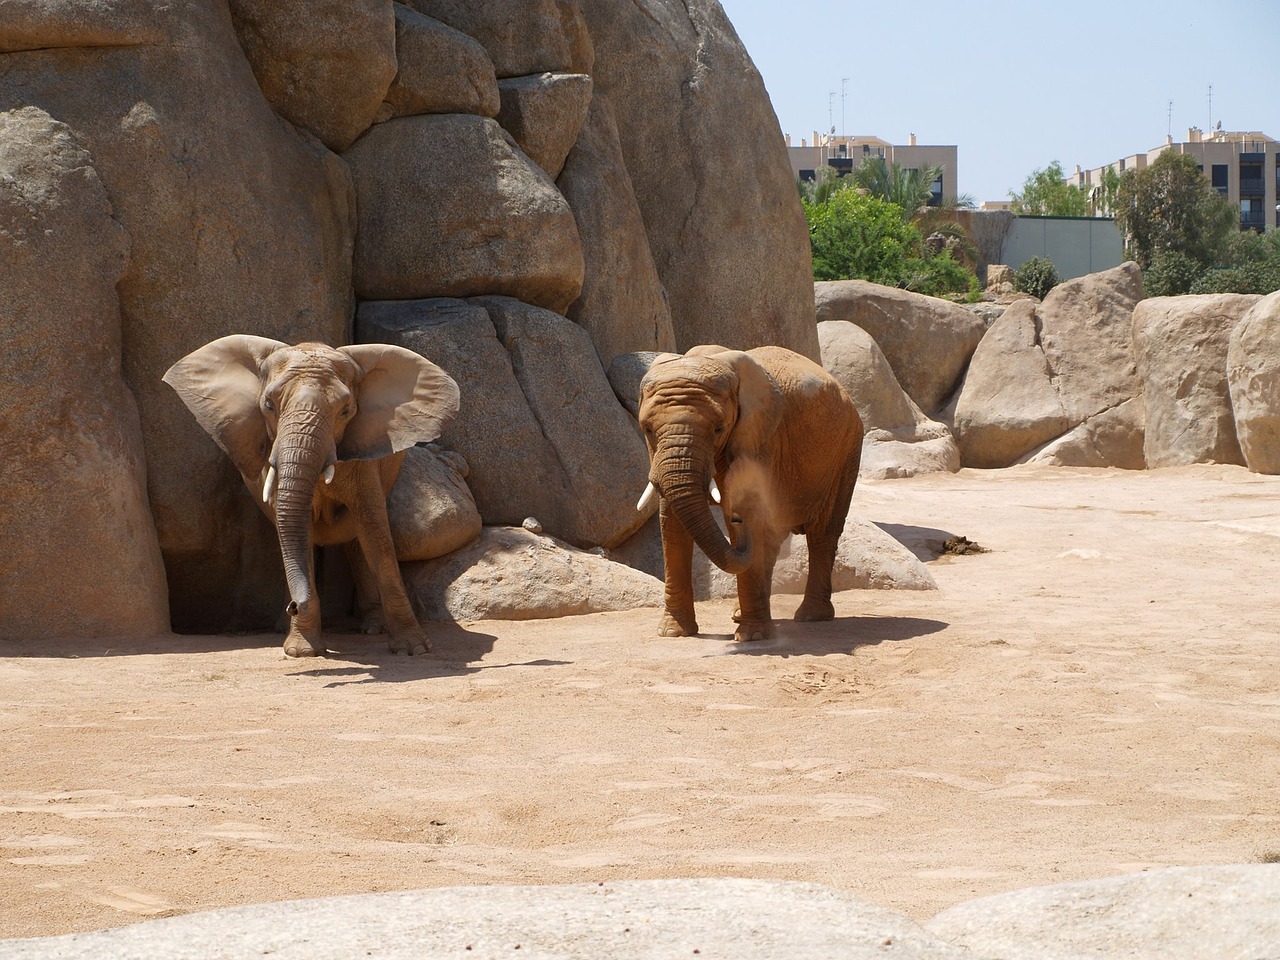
831, 100
1211, 106
844, 83
1169, 130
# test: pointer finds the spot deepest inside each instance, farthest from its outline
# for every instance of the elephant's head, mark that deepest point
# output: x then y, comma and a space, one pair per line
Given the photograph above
709, 405
295, 411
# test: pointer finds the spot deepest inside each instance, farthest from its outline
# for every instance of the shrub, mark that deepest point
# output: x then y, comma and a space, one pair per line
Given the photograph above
1254, 277
1171, 274
1037, 277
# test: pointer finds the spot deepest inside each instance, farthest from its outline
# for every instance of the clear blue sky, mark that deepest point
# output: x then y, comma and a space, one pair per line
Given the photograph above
1017, 84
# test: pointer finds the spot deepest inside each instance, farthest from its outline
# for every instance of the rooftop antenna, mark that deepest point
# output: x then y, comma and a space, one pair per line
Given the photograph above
844, 83
831, 99
1169, 130
1210, 127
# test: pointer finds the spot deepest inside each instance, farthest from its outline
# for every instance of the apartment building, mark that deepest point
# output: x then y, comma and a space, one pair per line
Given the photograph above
1244, 166
842, 154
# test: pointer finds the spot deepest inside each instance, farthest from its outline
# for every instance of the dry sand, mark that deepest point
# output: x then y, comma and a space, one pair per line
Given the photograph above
1098, 694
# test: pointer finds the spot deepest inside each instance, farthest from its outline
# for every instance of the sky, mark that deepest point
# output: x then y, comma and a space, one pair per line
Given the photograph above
1017, 84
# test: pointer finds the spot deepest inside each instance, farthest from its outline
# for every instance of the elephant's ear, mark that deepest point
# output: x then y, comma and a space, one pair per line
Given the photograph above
220, 384
759, 403
403, 399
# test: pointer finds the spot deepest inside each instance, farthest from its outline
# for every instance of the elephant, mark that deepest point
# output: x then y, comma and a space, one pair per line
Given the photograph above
318, 434
775, 440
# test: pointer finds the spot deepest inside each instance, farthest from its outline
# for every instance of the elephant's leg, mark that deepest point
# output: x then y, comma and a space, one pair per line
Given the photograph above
678, 617
374, 534
303, 639
824, 539
368, 597
755, 612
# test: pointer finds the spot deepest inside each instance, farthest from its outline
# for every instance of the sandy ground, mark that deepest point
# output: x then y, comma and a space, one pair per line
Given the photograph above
1098, 694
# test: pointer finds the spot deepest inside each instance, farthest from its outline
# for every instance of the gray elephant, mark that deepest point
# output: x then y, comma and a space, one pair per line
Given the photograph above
774, 439
319, 434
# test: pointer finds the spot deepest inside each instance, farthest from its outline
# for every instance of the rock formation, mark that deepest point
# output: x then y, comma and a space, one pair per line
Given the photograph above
1253, 373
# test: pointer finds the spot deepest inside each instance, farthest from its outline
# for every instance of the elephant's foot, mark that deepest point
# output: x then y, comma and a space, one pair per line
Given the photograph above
814, 609
749, 630
372, 622
297, 645
411, 641
673, 626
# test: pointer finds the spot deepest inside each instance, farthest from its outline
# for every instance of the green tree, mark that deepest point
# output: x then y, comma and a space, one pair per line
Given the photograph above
1102, 199
1171, 205
1046, 194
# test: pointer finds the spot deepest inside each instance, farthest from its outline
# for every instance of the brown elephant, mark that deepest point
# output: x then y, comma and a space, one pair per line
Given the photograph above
318, 435
776, 441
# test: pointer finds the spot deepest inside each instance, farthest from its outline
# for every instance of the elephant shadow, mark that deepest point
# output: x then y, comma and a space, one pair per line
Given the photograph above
927, 543
455, 652
841, 636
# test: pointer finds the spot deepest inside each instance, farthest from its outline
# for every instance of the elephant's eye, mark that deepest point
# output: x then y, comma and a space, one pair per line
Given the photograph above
346, 411
267, 404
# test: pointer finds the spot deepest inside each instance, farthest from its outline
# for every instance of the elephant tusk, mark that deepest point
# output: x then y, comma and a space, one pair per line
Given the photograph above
328, 474
645, 497
269, 486
715, 491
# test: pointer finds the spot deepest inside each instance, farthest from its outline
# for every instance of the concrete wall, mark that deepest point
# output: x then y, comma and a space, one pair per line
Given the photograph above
1076, 245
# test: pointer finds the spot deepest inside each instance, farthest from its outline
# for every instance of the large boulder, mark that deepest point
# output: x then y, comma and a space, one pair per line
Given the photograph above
1180, 345
1253, 374
867, 558
1046, 369
521, 36
510, 573
544, 114
710, 171
237, 224
623, 305
81, 556
1181, 913
927, 340
449, 206
900, 441
49, 24
538, 423
441, 70
325, 65
430, 509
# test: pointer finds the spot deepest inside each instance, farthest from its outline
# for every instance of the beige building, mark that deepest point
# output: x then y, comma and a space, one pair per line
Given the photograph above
1243, 166
842, 154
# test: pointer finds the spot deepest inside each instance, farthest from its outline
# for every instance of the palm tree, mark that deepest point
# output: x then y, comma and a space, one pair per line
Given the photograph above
819, 190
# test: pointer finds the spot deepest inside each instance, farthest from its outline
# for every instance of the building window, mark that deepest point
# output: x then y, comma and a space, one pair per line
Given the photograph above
935, 192
808, 176
1251, 214
1220, 174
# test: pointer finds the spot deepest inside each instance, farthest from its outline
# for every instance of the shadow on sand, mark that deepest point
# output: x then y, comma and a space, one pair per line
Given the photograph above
840, 636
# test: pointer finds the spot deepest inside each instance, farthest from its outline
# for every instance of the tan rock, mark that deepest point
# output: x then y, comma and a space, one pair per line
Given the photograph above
521, 36
623, 305
57, 24
325, 65
430, 508
449, 207
442, 70
538, 423
509, 573
1180, 346
1113, 438
1253, 374
582, 54
81, 556
235, 222
927, 341
544, 113
900, 440
710, 171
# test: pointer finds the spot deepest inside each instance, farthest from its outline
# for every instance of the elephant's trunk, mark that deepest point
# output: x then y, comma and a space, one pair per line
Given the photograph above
302, 451
684, 482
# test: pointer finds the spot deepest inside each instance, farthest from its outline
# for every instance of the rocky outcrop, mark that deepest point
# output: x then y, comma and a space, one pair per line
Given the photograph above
521, 36
900, 440
72, 473
1181, 351
622, 305
1253, 375
441, 70
510, 573
48, 24
544, 113
235, 222
449, 206
1046, 369
324, 65
927, 341
725, 226
565, 449
430, 509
